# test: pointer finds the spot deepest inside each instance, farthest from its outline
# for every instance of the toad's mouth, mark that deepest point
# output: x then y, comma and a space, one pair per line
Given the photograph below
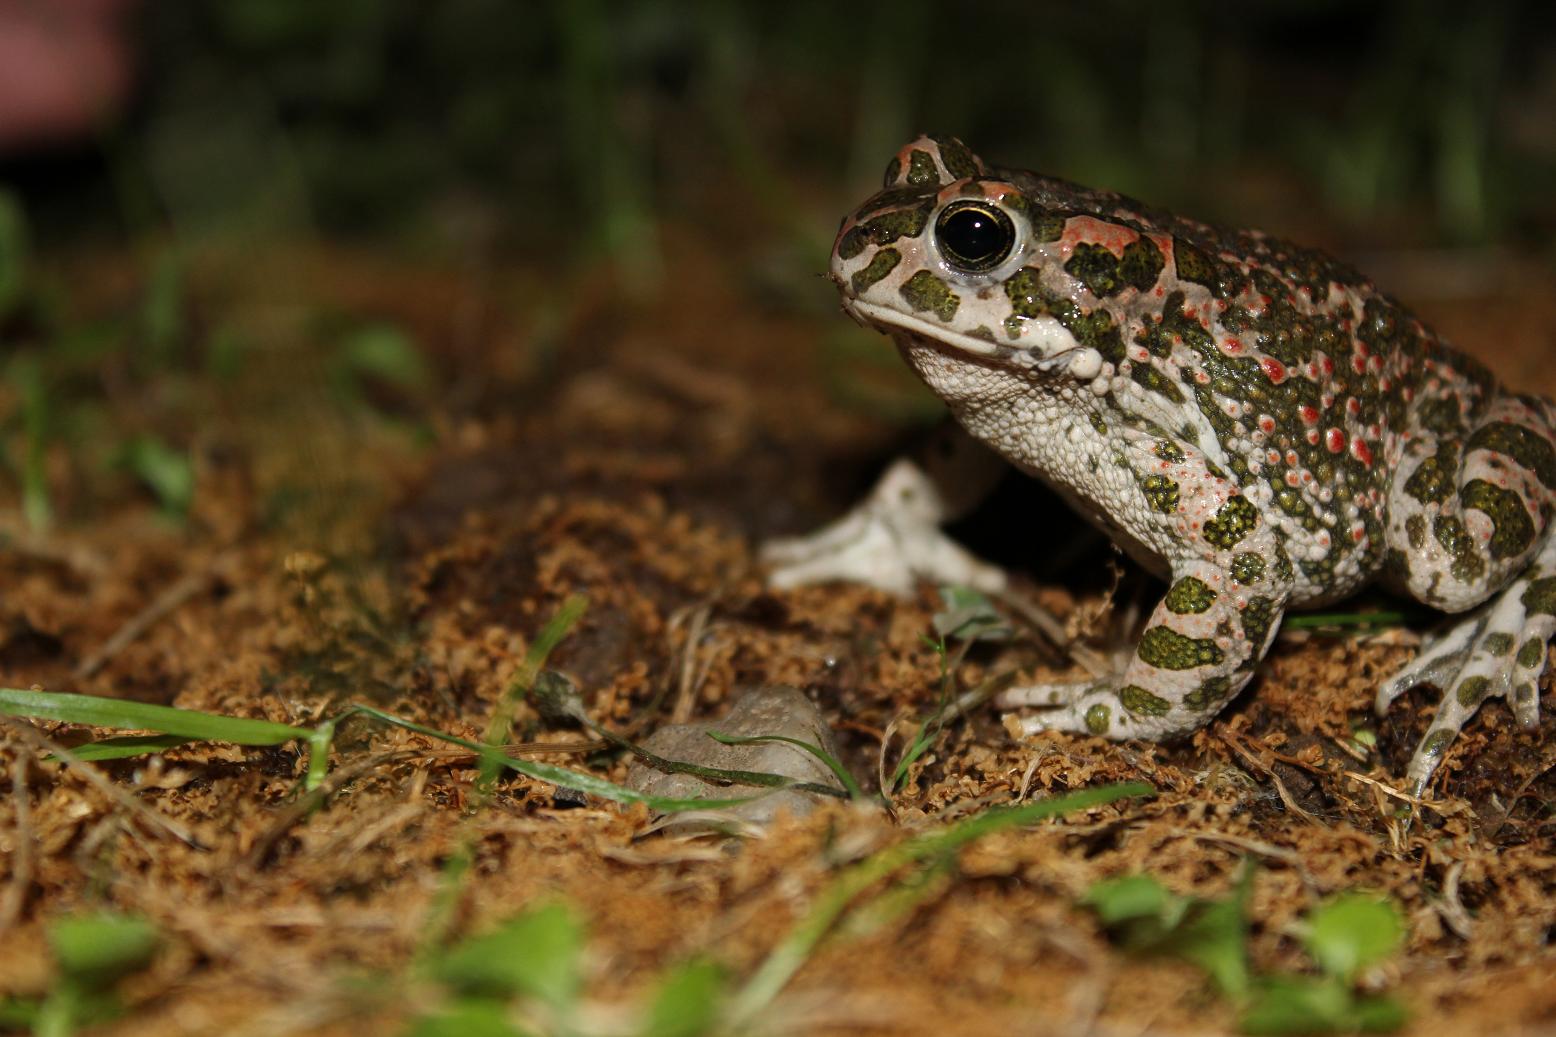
1047, 347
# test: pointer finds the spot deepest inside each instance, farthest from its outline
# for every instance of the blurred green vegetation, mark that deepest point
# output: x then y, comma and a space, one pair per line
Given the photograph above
568, 137
573, 124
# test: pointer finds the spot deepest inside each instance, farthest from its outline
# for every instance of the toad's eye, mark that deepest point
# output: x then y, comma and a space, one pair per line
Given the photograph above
974, 236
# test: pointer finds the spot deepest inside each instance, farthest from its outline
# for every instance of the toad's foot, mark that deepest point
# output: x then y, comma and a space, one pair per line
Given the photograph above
1109, 706
1061, 706
890, 540
1497, 651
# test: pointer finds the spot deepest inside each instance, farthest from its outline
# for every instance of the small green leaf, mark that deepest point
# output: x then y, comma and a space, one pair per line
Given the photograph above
467, 1017
1351, 931
384, 352
99, 948
168, 473
1296, 1005
970, 616
536, 954
1284, 1005
1132, 897
74, 1004
688, 1001
1148, 918
1214, 938
1377, 1014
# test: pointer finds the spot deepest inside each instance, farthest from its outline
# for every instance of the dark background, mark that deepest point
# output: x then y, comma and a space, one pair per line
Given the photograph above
578, 124
573, 143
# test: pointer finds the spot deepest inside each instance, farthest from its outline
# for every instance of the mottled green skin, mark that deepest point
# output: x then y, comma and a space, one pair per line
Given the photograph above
1098, 719
1232, 523
1248, 416
881, 264
1248, 568
1499, 643
1163, 648
1540, 596
925, 291
1141, 702
1472, 690
1189, 595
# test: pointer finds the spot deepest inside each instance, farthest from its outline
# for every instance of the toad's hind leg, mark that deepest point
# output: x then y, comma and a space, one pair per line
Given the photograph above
1471, 524
1499, 651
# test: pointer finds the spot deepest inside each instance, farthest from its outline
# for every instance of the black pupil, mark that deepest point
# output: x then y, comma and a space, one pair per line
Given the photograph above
975, 237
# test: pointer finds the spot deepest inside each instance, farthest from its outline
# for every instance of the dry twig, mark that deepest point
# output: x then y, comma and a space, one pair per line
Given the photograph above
1048, 625
1235, 744
1442, 806
1451, 908
690, 679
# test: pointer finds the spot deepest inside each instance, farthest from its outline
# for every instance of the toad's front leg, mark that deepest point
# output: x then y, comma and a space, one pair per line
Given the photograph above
1231, 580
1199, 649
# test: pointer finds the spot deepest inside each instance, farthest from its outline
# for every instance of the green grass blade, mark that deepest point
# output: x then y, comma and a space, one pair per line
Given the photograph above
187, 724
26, 375
832, 762
102, 946
97, 711
560, 776
923, 881
319, 741
930, 730
790, 954
687, 1003
549, 637
126, 747
445, 902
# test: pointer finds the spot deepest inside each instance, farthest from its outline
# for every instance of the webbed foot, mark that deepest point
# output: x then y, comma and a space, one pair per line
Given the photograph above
1110, 706
1497, 651
1062, 706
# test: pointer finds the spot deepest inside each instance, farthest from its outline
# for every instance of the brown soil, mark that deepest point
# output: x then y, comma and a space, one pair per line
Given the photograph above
635, 454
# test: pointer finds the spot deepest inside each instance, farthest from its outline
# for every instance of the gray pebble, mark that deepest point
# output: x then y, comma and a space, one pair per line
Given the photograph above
766, 710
